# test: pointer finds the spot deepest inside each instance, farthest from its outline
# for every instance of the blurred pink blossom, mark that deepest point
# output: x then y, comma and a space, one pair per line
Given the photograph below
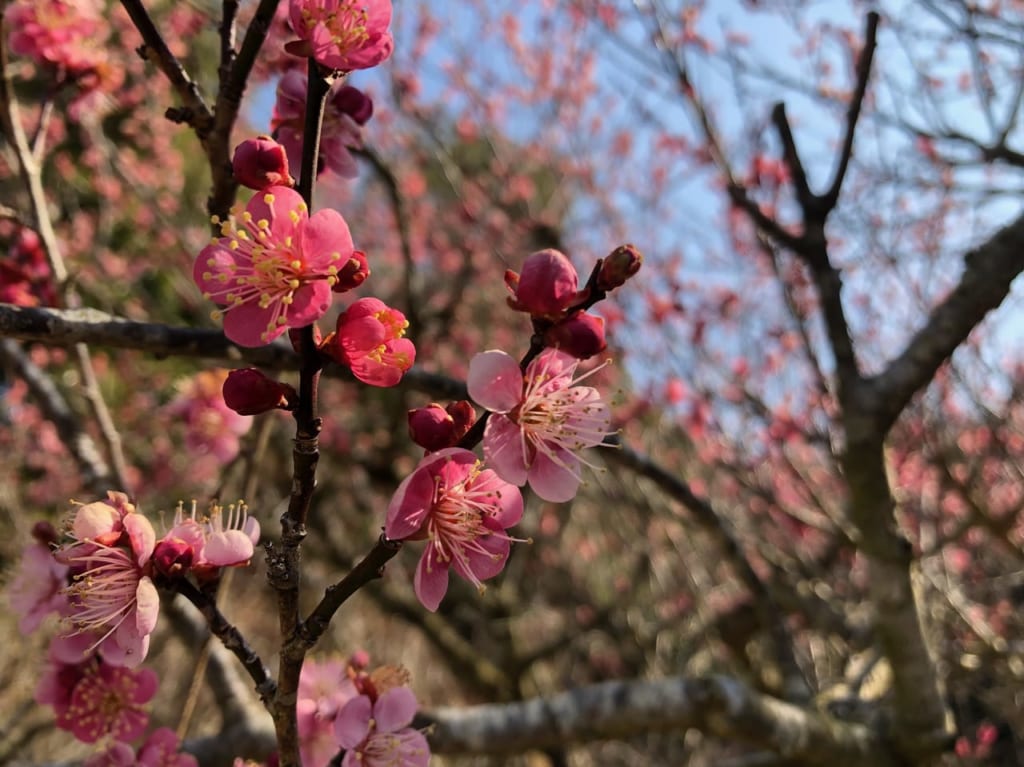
108, 701
37, 588
376, 732
211, 427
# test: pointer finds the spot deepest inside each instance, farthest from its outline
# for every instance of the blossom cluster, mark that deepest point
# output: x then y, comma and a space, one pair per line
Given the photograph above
100, 578
367, 714
540, 418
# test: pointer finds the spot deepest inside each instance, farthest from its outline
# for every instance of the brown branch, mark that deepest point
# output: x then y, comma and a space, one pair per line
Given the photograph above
231, 638
716, 705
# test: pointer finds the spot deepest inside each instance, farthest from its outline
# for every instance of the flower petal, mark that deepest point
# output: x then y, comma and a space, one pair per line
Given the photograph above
326, 240
504, 449
353, 722
555, 479
395, 709
495, 381
431, 580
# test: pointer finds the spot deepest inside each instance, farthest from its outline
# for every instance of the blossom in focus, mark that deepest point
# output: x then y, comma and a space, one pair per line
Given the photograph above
211, 427
463, 511
224, 538
546, 287
111, 597
37, 588
374, 730
342, 34
435, 427
109, 701
369, 340
539, 421
346, 111
274, 265
260, 162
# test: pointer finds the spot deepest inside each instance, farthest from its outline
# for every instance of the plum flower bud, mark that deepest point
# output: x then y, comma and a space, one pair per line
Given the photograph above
546, 287
261, 162
435, 428
618, 266
354, 103
353, 273
173, 557
248, 392
581, 335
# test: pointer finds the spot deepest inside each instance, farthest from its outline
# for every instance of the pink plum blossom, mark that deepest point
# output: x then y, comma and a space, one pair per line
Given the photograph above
324, 688
369, 339
376, 732
260, 162
346, 111
37, 588
159, 750
221, 539
274, 265
463, 511
57, 32
109, 700
539, 422
211, 427
111, 595
342, 34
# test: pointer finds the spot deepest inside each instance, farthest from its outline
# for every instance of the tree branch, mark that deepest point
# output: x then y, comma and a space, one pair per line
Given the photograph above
716, 705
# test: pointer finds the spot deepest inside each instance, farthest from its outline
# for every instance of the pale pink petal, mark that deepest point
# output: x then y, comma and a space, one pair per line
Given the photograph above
395, 709
228, 548
353, 722
431, 580
147, 606
251, 527
94, 520
504, 449
142, 537
495, 381
555, 480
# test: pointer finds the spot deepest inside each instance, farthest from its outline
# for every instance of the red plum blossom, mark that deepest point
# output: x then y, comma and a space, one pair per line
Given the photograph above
369, 340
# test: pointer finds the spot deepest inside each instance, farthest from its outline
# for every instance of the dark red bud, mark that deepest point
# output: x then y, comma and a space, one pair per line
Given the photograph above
435, 428
44, 533
353, 102
248, 392
261, 162
172, 557
621, 264
581, 335
353, 273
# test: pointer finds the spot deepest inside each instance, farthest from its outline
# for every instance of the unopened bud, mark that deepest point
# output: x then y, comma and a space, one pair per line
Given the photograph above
261, 162
248, 392
618, 266
435, 428
353, 102
353, 273
44, 533
173, 557
547, 285
581, 335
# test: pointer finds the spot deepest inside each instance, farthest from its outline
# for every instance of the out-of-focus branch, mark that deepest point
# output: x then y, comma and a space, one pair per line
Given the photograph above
196, 111
66, 327
94, 470
716, 705
989, 271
